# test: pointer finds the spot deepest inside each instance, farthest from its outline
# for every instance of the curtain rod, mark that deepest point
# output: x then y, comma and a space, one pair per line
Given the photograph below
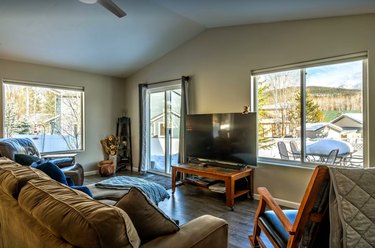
170, 80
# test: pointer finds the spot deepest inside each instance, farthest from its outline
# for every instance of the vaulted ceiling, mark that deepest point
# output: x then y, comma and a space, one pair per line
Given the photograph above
74, 35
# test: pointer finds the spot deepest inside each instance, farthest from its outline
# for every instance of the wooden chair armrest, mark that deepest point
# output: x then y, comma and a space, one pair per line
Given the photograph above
266, 197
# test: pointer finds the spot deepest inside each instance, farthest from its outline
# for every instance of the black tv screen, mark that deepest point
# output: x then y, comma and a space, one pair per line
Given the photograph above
229, 137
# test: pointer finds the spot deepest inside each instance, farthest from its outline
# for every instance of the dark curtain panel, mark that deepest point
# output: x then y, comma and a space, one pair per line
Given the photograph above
143, 131
184, 112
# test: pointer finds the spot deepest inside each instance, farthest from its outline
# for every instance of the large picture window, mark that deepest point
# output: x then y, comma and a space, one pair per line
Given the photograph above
50, 116
313, 112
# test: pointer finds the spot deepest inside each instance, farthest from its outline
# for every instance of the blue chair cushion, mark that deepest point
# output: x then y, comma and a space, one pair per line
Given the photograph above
25, 159
274, 226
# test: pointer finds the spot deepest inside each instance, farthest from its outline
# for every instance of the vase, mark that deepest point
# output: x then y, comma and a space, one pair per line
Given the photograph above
114, 159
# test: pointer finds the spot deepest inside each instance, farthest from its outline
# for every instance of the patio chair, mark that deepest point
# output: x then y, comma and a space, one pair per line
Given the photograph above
331, 159
282, 150
295, 151
306, 227
345, 159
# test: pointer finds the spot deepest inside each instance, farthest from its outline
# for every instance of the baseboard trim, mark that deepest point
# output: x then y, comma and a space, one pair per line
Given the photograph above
282, 202
91, 173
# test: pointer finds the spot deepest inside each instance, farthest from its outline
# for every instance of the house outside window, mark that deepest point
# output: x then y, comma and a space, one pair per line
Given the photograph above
309, 110
51, 116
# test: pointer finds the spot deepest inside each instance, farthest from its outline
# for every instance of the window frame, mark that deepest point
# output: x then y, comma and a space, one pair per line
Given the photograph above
302, 66
80, 89
158, 88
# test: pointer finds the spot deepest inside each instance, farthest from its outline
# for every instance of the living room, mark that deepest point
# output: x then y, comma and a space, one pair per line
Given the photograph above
219, 61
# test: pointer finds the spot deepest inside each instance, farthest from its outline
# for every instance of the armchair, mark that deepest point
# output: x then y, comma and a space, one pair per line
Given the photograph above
306, 227
9, 147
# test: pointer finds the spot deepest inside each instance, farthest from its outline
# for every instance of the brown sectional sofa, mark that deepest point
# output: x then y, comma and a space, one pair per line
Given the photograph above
36, 211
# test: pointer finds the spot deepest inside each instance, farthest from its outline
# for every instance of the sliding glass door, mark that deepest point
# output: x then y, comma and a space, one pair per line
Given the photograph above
164, 127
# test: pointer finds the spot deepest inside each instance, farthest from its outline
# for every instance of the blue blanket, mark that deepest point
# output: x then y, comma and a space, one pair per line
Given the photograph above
154, 191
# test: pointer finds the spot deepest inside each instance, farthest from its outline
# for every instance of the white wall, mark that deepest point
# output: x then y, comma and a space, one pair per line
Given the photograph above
220, 60
101, 101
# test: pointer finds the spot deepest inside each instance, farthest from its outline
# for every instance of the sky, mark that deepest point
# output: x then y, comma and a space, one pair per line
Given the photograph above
344, 75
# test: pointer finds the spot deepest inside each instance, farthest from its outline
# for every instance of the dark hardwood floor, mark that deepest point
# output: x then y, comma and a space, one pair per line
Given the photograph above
190, 202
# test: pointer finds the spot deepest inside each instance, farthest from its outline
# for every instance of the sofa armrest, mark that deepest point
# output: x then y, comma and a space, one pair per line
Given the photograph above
205, 231
75, 172
62, 162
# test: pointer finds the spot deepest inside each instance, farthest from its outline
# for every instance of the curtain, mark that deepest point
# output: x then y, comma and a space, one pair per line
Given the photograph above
143, 130
184, 111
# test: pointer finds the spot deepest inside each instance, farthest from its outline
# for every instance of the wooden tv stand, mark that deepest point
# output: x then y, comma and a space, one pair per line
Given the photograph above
229, 176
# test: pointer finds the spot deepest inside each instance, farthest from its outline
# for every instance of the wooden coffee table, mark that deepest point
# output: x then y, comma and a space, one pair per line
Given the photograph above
229, 176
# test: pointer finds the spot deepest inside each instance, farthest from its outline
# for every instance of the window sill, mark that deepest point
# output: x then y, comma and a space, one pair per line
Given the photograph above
286, 163
61, 153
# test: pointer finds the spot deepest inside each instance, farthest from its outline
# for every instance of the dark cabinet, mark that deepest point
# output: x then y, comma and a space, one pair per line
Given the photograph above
123, 132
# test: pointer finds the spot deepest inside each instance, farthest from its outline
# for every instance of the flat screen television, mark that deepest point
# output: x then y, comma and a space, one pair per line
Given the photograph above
229, 137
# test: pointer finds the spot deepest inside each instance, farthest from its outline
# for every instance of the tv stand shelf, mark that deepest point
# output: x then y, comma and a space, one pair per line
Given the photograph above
229, 176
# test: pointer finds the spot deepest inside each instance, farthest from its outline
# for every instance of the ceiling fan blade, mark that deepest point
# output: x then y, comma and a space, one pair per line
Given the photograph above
111, 6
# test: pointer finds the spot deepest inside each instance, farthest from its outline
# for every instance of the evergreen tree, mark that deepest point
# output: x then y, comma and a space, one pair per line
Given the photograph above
313, 112
10, 119
263, 141
23, 127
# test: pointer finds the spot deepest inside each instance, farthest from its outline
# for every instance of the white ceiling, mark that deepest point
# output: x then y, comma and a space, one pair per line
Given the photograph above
74, 35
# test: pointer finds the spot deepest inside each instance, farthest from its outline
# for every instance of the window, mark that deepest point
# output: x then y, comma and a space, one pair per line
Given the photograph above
50, 116
308, 111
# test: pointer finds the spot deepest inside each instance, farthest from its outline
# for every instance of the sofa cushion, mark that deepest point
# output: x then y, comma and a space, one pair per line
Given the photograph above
275, 228
6, 162
148, 219
25, 159
75, 217
13, 178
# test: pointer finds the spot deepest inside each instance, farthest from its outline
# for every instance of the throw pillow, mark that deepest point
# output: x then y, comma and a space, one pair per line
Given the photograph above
51, 170
54, 172
149, 221
25, 159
